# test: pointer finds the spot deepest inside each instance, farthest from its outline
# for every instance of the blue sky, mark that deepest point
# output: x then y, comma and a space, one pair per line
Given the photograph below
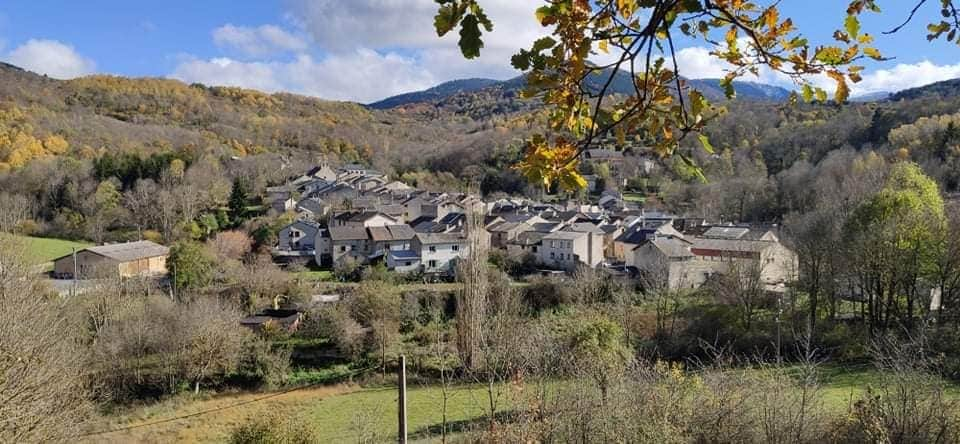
365, 50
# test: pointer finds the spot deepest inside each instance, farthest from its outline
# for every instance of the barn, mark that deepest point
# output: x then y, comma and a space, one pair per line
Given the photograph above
141, 258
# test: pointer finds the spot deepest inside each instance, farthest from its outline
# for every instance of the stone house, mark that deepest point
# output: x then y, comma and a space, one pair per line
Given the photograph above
349, 242
675, 262
567, 249
390, 238
301, 235
439, 252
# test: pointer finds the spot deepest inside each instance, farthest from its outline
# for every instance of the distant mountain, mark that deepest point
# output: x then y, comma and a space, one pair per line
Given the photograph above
438, 92
746, 90
621, 84
946, 88
872, 97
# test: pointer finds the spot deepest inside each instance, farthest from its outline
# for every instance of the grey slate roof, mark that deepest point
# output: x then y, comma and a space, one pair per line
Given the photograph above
312, 204
726, 232
130, 251
440, 238
391, 233
403, 254
732, 244
672, 247
564, 235
599, 153
529, 238
584, 227
347, 232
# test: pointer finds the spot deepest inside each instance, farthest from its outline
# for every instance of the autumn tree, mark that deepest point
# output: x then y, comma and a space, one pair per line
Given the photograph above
377, 306
232, 244
893, 241
599, 351
593, 44
191, 265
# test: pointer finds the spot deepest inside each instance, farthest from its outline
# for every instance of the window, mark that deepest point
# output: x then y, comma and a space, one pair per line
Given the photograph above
433, 249
295, 234
552, 245
432, 264
455, 248
407, 263
552, 255
343, 248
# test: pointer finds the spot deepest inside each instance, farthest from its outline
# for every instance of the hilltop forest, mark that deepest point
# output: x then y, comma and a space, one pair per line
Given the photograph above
107, 127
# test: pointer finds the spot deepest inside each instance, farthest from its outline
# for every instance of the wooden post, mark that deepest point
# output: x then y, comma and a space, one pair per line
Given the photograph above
74, 271
402, 400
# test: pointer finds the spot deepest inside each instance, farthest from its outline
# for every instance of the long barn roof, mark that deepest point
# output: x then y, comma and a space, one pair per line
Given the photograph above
130, 251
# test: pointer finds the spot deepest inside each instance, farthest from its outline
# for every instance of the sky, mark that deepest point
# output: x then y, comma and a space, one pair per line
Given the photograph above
366, 50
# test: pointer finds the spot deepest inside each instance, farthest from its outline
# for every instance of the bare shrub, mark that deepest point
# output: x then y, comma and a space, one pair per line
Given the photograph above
43, 397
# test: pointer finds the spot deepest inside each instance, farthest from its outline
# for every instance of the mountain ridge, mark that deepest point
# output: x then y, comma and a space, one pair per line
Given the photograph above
746, 90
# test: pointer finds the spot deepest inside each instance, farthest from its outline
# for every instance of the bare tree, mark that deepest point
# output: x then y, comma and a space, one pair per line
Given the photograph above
232, 244
14, 209
742, 286
211, 340
472, 298
43, 397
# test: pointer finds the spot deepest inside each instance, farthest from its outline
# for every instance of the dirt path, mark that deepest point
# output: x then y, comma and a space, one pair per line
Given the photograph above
152, 424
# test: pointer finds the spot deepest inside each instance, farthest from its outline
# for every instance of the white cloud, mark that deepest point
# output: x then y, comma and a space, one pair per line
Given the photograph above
339, 26
228, 72
362, 75
697, 63
50, 57
261, 41
905, 76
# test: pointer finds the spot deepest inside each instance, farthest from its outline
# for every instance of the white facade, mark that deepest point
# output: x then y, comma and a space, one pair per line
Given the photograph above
440, 252
567, 249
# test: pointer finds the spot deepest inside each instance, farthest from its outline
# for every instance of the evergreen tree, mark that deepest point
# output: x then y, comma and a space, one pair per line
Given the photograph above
239, 196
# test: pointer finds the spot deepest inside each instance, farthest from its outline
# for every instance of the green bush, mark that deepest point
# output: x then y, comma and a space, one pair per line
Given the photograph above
274, 429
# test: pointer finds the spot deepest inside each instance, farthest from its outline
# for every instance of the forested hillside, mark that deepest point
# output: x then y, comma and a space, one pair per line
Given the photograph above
473, 126
87, 117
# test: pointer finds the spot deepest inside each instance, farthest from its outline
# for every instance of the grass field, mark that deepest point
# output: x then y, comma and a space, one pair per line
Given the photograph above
41, 250
634, 197
315, 276
343, 413
339, 414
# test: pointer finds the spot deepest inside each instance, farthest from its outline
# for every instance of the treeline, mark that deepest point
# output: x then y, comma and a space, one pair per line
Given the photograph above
91, 116
165, 196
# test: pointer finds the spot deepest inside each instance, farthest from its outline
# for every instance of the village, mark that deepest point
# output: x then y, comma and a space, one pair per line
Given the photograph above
350, 217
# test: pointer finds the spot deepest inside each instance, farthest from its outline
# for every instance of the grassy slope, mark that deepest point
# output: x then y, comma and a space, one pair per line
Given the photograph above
335, 411
41, 250
339, 412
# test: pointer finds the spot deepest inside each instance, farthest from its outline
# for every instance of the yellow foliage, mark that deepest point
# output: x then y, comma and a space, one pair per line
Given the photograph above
4, 167
56, 144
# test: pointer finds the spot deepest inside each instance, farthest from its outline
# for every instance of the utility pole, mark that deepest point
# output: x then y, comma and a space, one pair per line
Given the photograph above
779, 314
74, 271
402, 400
